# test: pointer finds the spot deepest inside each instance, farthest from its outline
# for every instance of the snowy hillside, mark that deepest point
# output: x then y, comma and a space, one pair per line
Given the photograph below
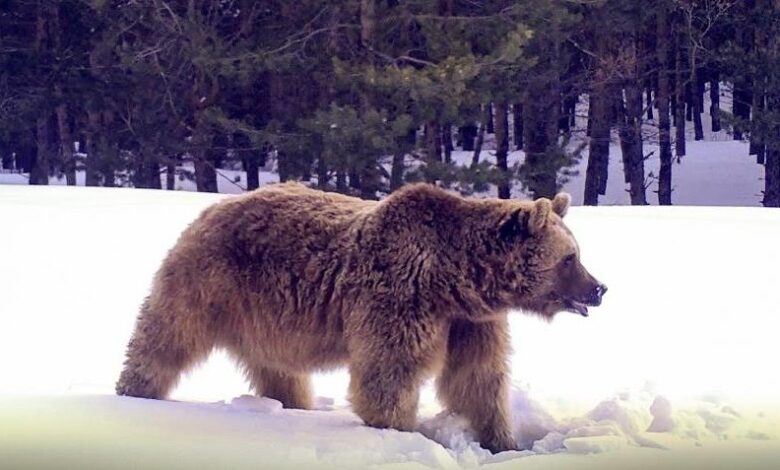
673, 371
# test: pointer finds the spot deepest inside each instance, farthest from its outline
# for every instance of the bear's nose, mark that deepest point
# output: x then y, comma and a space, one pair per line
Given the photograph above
597, 294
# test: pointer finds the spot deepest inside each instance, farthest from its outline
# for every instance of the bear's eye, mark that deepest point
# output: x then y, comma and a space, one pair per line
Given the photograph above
569, 260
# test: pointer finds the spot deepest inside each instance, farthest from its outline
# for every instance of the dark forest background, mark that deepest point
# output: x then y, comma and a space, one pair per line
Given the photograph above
361, 96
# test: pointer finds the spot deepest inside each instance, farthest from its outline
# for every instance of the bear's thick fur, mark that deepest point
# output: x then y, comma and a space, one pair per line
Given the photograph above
292, 280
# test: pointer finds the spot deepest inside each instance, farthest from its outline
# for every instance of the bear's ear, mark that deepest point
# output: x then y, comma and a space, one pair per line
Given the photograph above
539, 215
513, 225
561, 203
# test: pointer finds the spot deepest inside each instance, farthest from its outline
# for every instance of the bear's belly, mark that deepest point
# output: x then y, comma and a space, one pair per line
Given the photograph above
286, 346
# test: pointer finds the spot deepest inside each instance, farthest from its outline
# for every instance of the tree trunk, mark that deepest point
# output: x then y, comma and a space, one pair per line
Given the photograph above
322, 173
154, 173
170, 176
662, 98
502, 149
397, 170
649, 94
567, 110
631, 134
92, 139
354, 179
772, 178
772, 164
517, 124
715, 102
341, 181
741, 107
598, 153
540, 113
446, 138
490, 125
480, 136
369, 171
695, 92
468, 135
205, 170
432, 148
205, 175
679, 141
67, 159
39, 174
757, 148
250, 160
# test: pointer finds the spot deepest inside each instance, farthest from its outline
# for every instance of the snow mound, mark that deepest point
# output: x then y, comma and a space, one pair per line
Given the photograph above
256, 404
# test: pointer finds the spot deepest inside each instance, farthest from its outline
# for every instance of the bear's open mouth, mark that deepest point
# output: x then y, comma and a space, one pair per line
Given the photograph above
573, 306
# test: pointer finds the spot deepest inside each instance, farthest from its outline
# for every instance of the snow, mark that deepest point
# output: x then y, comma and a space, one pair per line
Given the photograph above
672, 371
714, 173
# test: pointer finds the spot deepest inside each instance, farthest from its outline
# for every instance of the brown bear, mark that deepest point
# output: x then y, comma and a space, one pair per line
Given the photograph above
291, 280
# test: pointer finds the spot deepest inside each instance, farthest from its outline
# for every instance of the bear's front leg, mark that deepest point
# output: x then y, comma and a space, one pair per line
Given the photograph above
388, 362
474, 382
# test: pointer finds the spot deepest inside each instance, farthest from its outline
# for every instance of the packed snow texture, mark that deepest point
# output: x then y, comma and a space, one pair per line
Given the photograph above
674, 367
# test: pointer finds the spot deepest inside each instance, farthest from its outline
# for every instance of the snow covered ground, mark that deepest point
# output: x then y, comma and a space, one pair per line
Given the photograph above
673, 371
714, 173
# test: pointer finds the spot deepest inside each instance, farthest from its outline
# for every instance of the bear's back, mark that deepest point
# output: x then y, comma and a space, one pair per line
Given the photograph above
283, 226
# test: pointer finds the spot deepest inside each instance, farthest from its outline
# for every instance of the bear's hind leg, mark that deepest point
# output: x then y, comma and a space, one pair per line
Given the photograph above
474, 382
293, 390
163, 346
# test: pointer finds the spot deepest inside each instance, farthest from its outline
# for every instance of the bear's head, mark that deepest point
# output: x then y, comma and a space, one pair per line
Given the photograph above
540, 270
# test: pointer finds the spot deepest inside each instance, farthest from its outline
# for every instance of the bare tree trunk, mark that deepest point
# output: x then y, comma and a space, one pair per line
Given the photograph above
170, 176
446, 138
39, 174
490, 125
757, 148
598, 154
540, 113
250, 160
205, 172
715, 101
679, 65
740, 107
761, 43
502, 149
772, 178
205, 175
631, 134
649, 94
92, 139
154, 173
480, 136
65, 141
599, 122
322, 173
369, 171
772, 163
397, 171
354, 179
432, 147
662, 98
517, 124
341, 181
772, 97
696, 104
468, 135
